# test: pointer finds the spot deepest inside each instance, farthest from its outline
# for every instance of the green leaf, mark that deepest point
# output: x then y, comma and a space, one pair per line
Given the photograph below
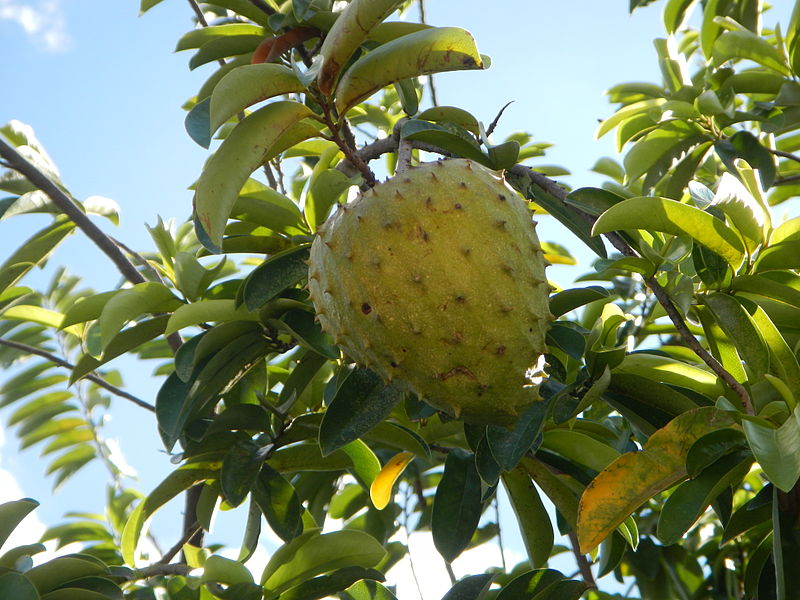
627, 112
324, 192
353, 26
568, 300
532, 518
241, 153
33, 251
747, 215
777, 449
63, 570
312, 554
737, 324
17, 586
541, 584
197, 123
441, 137
451, 114
688, 502
744, 144
208, 311
264, 206
655, 151
785, 255
303, 327
123, 342
749, 46
366, 590
457, 505
240, 469
197, 38
130, 303
247, 85
277, 273
278, 501
669, 216
223, 47
580, 448
12, 513
472, 587
508, 446
711, 447
176, 482
672, 372
349, 578
360, 403
224, 570
428, 51
676, 12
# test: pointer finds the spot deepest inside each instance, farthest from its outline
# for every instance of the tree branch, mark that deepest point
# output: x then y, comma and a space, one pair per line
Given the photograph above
783, 154
583, 563
263, 6
159, 569
67, 365
68, 206
390, 144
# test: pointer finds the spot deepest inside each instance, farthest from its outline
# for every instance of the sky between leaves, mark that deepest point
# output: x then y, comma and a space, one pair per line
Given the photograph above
103, 90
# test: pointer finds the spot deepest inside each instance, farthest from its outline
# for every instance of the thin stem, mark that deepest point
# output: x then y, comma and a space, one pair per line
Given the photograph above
494, 123
68, 206
583, 563
449, 568
261, 5
783, 154
198, 12
347, 144
67, 365
496, 503
158, 569
172, 552
786, 180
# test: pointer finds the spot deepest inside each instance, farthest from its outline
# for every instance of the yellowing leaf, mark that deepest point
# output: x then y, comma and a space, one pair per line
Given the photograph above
636, 477
381, 489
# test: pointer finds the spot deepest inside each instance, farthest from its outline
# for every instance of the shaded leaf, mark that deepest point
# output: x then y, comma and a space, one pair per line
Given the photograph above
457, 505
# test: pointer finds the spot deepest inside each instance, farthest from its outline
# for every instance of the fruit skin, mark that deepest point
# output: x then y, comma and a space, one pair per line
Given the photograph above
435, 279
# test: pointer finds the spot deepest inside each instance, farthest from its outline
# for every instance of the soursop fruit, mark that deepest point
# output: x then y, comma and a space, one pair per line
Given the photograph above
436, 279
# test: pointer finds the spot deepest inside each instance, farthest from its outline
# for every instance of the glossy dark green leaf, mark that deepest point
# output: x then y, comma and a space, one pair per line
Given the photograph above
240, 468
367, 590
737, 324
457, 505
568, 300
744, 144
327, 585
472, 587
711, 447
508, 446
566, 215
362, 401
277, 273
504, 156
565, 338
301, 325
486, 464
712, 269
777, 450
279, 503
751, 514
11, 515
532, 518
17, 586
461, 145
224, 47
197, 123
685, 505
785, 546
541, 584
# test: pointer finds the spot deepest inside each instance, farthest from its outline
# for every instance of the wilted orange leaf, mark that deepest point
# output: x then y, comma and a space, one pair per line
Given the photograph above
636, 477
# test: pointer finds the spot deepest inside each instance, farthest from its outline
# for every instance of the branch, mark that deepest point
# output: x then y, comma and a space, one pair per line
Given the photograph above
170, 554
201, 18
390, 144
786, 180
494, 123
67, 365
783, 154
261, 5
583, 563
159, 569
68, 206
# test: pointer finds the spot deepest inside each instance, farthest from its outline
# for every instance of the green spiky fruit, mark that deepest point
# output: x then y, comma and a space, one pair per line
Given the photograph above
436, 279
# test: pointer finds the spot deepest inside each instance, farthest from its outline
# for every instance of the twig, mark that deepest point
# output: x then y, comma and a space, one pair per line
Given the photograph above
583, 563
170, 554
261, 5
347, 145
68, 206
371, 151
786, 180
449, 568
783, 154
67, 365
159, 569
494, 123
404, 156
198, 12
496, 503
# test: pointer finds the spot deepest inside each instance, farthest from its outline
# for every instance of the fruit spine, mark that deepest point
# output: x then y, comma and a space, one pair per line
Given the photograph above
435, 279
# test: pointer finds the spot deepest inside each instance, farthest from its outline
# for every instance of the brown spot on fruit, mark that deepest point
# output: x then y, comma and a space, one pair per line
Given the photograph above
366, 308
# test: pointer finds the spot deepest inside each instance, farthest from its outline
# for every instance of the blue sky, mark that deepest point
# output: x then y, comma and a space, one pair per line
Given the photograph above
103, 90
